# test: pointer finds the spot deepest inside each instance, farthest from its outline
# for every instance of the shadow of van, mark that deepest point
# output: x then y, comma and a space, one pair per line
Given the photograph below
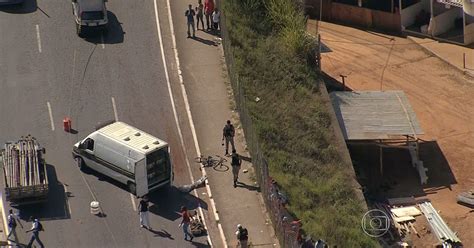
113, 35
28, 6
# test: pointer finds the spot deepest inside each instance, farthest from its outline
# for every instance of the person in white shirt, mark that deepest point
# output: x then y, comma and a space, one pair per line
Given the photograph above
216, 18
12, 223
35, 228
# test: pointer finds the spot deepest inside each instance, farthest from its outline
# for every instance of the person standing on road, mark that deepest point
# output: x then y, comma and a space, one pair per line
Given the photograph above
12, 223
185, 223
190, 16
199, 14
228, 135
36, 227
216, 18
242, 236
143, 212
208, 9
236, 163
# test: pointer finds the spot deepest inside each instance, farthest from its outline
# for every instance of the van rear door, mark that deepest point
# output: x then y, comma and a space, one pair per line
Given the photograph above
141, 180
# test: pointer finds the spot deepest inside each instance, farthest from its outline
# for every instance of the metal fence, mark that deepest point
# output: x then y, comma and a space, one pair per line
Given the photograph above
287, 229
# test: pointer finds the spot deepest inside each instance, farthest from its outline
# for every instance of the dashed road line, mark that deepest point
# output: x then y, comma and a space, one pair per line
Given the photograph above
115, 109
114, 106
50, 115
38, 38
67, 199
102, 44
134, 205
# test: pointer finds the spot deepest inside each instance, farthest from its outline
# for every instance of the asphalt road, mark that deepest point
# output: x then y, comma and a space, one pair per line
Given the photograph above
48, 73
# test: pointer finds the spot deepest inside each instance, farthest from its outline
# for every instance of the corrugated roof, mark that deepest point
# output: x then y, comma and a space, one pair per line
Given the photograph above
456, 3
132, 136
368, 115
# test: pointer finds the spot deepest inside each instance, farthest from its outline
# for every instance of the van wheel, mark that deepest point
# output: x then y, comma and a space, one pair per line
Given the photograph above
80, 163
132, 188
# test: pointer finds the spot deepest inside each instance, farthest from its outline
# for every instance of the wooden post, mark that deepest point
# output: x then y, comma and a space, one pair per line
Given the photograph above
464, 60
319, 52
343, 81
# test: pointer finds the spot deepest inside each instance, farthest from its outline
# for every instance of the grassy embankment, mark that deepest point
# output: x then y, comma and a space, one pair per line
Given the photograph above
270, 50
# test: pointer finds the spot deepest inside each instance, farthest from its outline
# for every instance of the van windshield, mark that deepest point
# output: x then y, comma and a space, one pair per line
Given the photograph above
92, 15
158, 167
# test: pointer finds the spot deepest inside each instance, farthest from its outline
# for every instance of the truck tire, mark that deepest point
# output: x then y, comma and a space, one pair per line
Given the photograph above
80, 163
132, 188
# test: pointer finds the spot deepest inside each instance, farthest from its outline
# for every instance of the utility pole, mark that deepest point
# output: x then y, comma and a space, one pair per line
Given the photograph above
318, 54
320, 16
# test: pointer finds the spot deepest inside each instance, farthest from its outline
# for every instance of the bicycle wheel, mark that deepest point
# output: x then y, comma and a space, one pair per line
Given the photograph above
220, 165
221, 159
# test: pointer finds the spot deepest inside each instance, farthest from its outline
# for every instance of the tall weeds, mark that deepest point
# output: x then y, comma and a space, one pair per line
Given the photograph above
270, 50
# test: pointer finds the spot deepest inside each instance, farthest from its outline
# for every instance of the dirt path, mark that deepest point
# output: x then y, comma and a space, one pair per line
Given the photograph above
441, 96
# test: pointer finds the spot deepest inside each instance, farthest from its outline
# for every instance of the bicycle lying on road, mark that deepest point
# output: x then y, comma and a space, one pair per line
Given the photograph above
216, 163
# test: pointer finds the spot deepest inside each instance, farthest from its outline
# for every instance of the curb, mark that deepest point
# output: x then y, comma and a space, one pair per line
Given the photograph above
432, 52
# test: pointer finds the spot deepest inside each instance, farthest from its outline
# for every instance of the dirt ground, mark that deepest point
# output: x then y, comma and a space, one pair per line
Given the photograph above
442, 98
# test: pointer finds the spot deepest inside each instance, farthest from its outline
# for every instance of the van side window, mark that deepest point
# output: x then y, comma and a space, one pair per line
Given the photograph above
89, 144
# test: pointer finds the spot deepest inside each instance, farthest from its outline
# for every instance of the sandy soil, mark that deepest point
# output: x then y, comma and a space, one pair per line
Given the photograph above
442, 98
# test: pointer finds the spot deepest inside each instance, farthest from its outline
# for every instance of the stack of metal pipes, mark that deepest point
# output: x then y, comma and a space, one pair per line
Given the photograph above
21, 163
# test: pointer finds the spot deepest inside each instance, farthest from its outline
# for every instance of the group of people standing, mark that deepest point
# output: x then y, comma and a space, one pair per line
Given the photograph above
212, 14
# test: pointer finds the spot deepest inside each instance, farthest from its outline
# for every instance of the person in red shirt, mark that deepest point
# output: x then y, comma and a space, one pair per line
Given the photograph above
185, 223
208, 9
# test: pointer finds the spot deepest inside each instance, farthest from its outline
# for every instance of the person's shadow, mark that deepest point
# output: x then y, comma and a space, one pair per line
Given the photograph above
249, 187
162, 233
204, 41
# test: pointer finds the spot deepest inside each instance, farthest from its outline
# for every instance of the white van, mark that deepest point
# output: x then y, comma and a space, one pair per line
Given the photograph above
128, 155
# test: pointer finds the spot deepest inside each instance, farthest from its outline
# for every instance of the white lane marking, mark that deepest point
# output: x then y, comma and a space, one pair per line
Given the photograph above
67, 199
4, 217
114, 106
72, 79
102, 40
115, 109
50, 115
38, 37
134, 205
174, 108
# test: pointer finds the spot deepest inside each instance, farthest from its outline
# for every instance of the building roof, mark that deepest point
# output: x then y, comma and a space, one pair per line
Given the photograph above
374, 115
132, 137
456, 3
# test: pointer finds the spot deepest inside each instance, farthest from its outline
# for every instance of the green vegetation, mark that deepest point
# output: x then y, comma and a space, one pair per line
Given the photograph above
270, 50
